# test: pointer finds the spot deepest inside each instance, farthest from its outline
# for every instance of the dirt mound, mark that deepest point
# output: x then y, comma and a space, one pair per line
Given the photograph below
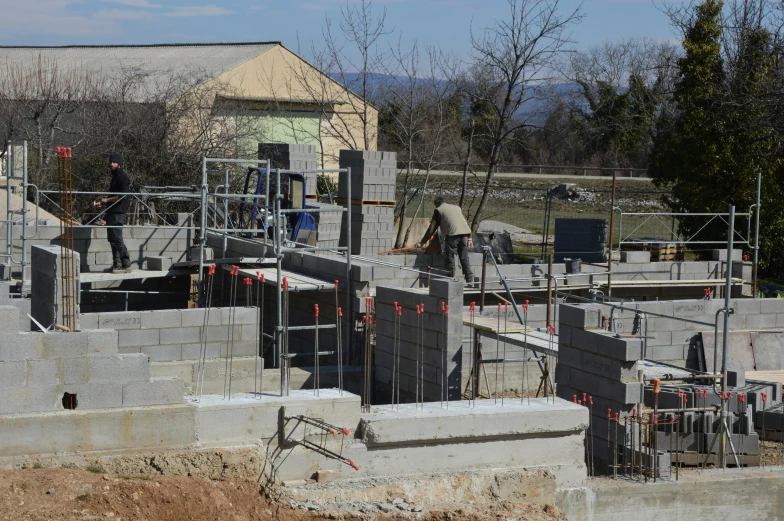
71, 494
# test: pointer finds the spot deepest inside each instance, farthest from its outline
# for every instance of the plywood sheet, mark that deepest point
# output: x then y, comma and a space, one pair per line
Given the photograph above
768, 350
740, 355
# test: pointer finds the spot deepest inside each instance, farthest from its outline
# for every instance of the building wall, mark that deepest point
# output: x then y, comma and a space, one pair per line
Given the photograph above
281, 76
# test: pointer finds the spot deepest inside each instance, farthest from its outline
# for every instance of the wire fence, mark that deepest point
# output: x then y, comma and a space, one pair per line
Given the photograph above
531, 214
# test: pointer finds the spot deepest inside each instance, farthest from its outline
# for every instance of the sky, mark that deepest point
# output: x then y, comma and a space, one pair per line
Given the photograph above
295, 23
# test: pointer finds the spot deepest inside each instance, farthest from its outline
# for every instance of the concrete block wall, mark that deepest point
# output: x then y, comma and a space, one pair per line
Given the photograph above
445, 367
48, 286
584, 239
96, 253
288, 156
37, 369
176, 334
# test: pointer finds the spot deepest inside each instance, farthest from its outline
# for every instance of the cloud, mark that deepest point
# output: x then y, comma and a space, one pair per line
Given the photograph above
123, 14
199, 10
50, 18
134, 3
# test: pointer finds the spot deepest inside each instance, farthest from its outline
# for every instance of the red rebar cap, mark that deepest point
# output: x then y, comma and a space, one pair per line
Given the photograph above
741, 397
585, 397
616, 417
609, 413
285, 283
235, 270
248, 281
58, 151
444, 304
764, 397
395, 304
506, 306
211, 269
258, 275
672, 418
634, 412
368, 302
446, 310
353, 465
419, 311
345, 431
574, 398
400, 311
340, 312
499, 307
590, 400
525, 306
315, 312
551, 329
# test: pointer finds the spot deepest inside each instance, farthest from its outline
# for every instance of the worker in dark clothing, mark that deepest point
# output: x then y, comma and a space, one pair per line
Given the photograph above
456, 234
117, 208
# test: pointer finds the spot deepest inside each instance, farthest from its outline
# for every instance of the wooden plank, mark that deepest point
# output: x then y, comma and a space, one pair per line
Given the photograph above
766, 376
490, 325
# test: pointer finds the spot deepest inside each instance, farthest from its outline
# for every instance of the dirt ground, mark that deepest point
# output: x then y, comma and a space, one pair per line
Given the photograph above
76, 494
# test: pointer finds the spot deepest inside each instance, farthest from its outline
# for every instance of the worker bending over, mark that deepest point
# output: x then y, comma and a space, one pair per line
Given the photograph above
456, 234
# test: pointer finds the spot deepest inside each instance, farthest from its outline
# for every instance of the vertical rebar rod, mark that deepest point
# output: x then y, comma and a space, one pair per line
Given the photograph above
258, 362
610, 249
397, 355
503, 361
757, 209
497, 353
394, 352
316, 369
339, 342
726, 334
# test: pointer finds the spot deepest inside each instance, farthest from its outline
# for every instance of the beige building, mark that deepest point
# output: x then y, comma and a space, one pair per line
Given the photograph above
265, 90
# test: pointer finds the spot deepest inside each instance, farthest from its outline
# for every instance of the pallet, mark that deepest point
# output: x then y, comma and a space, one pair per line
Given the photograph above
659, 252
362, 202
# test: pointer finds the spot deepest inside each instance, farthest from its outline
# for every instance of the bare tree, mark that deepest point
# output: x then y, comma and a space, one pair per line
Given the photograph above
508, 61
415, 117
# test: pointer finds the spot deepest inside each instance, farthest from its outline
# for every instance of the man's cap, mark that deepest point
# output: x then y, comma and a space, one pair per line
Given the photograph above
115, 157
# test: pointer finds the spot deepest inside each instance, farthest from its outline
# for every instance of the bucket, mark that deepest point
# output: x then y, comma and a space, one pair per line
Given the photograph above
572, 265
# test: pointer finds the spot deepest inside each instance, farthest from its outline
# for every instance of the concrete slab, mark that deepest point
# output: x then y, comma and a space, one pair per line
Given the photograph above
768, 350
384, 426
740, 355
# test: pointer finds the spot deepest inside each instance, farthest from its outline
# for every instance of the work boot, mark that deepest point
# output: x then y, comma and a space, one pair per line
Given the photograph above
122, 269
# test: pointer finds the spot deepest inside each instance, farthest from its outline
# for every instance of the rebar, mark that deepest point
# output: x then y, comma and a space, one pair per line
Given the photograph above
316, 368
394, 351
203, 350
67, 265
503, 362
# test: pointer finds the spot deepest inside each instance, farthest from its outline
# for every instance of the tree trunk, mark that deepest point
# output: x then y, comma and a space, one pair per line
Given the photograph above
467, 164
403, 207
419, 205
486, 190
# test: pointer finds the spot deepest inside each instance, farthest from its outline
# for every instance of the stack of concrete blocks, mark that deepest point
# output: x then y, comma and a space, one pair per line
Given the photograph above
604, 367
297, 157
695, 431
49, 284
328, 222
373, 177
95, 252
22, 304
446, 365
584, 239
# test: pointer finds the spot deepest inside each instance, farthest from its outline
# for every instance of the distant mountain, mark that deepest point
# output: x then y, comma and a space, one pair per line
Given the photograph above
535, 107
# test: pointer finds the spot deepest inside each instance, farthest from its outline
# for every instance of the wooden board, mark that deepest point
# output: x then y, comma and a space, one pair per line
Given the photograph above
490, 324
766, 376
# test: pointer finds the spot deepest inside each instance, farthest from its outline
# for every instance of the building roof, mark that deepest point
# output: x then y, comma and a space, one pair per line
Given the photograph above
156, 65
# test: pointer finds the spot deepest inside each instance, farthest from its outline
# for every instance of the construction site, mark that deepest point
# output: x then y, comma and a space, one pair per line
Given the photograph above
271, 336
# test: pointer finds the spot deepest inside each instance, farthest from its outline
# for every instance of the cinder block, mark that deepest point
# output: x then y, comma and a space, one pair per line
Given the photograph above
195, 317
580, 317
9, 319
155, 392
155, 263
94, 396
159, 319
446, 289
193, 351
89, 320
43, 373
139, 337
12, 374
64, 345
119, 369
74, 371
636, 257
721, 255
163, 353
120, 320
102, 341
21, 346
180, 335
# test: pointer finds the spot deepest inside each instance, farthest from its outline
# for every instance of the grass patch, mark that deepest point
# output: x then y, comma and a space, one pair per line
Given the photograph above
38, 465
140, 478
95, 468
67, 465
